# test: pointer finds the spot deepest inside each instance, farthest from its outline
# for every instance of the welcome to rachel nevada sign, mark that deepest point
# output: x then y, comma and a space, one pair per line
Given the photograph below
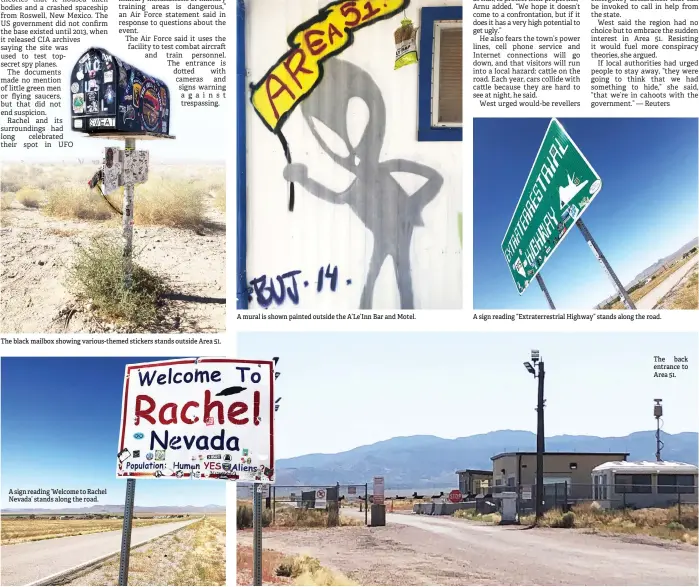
560, 187
198, 419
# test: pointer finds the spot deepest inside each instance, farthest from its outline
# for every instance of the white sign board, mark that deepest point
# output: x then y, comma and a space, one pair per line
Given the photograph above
198, 419
321, 500
526, 494
379, 497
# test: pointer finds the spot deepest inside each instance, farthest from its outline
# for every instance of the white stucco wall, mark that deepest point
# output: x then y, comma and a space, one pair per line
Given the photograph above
319, 233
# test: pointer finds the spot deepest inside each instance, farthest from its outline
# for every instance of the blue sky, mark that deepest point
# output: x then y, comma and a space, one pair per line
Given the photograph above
60, 427
647, 207
343, 390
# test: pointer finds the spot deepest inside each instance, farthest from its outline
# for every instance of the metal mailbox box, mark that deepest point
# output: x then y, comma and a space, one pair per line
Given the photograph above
109, 96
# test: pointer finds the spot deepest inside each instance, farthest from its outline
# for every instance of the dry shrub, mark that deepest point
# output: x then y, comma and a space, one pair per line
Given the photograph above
205, 563
170, 202
306, 570
30, 197
97, 274
301, 518
81, 203
6, 200
471, 514
244, 516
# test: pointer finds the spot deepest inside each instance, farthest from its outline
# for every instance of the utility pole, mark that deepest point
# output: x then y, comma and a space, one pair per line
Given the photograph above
540, 443
540, 439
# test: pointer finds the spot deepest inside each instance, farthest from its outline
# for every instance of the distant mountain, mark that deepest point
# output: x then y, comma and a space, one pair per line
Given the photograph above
430, 461
119, 509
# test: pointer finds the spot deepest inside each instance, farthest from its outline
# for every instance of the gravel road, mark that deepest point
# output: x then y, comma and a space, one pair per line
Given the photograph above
426, 550
649, 301
25, 563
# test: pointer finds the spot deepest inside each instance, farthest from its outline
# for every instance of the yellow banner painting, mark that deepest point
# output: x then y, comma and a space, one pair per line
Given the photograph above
300, 70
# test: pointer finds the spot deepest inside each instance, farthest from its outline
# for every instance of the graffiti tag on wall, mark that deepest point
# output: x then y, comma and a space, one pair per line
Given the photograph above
268, 291
300, 70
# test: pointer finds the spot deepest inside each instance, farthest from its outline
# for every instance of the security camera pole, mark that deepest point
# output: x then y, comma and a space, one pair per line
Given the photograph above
540, 442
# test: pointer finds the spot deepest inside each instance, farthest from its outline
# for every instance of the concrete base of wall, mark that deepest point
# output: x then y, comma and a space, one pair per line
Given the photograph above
442, 509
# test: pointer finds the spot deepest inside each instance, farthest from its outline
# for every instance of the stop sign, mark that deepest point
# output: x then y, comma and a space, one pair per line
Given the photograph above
455, 496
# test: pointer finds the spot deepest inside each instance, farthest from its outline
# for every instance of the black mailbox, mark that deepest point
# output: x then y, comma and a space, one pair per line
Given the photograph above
109, 96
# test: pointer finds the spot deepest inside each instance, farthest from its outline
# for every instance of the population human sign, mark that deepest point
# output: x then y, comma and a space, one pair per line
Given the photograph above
198, 419
560, 186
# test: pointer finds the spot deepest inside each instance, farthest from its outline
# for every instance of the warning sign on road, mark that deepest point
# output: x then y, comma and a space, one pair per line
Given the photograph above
198, 418
321, 501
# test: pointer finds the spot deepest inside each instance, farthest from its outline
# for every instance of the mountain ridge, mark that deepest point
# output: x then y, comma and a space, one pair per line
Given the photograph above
430, 461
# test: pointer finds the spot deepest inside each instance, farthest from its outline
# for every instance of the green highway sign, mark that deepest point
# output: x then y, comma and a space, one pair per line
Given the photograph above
560, 186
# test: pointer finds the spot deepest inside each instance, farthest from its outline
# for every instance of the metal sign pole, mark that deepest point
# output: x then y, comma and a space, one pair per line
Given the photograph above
605, 265
257, 489
128, 221
542, 285
126, 532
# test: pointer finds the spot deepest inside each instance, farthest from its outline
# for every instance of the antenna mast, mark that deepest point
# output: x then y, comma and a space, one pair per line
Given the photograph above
658, 413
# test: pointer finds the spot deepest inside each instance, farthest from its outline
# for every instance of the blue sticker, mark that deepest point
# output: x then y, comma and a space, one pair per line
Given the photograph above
138, 435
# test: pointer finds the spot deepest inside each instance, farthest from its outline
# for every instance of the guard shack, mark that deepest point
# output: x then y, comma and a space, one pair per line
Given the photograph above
113, 100
109, 96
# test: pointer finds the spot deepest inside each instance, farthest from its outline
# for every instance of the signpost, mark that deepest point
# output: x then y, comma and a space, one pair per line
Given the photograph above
379, 496
196, 419
560, 187
455, 496
321, 500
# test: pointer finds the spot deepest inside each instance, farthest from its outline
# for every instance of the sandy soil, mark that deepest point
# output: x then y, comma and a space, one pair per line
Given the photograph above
427, 550
677, 292
165, 561
37, 249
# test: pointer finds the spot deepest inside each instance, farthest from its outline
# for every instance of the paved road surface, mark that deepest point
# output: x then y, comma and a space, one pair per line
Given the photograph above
431, 550
28, 562
648, 301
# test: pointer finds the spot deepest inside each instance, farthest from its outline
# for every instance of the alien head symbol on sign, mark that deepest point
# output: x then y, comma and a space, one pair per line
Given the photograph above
378, 200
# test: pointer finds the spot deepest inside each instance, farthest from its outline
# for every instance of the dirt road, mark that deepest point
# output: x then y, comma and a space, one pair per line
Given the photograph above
649, 301
37, 250
427, 550
24, 564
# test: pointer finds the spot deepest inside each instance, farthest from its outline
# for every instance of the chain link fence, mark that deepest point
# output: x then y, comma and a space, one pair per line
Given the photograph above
564, 496
314, 505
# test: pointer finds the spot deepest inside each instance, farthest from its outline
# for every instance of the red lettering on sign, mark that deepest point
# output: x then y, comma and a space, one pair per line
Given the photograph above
371, 11
237, 409
298, 68
210, 405
186, 419
333, 32
162, 416
349, 8
272, 97
144, 413
315, 45
171, 413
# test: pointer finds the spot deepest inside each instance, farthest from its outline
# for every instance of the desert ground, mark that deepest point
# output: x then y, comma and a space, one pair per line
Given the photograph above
195, 555
443, 550
49, 216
